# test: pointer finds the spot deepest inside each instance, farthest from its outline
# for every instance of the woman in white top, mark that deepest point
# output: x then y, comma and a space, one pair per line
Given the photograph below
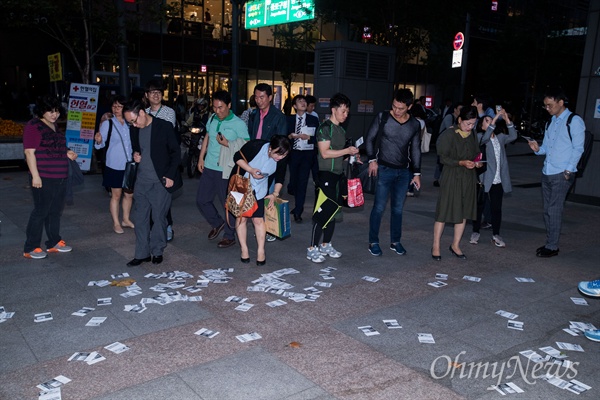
114, 134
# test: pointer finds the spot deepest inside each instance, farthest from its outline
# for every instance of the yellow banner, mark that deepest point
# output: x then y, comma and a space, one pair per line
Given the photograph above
55, 67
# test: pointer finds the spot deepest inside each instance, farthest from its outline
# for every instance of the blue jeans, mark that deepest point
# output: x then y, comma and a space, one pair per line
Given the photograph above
554, 193
394, 182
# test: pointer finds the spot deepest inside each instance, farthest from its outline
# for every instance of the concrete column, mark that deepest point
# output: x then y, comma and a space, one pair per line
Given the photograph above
587, 188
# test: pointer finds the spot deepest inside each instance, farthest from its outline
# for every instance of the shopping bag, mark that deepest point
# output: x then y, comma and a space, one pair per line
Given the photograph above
325, 209
425, 141
355, 193
277, 219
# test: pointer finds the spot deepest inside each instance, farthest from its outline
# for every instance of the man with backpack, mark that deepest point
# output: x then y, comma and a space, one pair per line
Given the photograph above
563, 146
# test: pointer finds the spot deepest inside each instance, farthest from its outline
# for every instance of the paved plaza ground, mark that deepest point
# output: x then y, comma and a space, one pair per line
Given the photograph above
307, 350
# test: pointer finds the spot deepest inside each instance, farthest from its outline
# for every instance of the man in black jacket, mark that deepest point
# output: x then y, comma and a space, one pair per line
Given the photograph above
393, 144
157, 153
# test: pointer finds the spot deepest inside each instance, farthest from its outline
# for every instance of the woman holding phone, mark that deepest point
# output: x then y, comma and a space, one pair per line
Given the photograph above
457, 148
499, 131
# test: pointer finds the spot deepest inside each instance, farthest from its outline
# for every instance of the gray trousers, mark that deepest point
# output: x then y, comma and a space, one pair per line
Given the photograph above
554, 193
150, 198
212, 184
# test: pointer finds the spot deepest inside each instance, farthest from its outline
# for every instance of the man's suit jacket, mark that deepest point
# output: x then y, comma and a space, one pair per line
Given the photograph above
165, 153
311, 122
273, 123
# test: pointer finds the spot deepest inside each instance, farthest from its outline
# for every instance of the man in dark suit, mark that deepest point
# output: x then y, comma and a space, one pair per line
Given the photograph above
157, 153
301, 128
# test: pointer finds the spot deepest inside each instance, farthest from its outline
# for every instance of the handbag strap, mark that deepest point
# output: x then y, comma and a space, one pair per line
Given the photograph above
238, 167
122, 143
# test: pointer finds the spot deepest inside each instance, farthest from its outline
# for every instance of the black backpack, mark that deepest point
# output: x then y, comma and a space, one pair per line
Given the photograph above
588, 142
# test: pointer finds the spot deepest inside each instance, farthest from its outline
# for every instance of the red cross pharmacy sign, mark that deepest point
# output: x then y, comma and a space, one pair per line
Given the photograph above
459, 41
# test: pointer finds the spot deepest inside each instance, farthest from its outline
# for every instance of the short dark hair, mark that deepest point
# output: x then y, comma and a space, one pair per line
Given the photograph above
252, 101
418, 112
154, 84
404, 96
45, 104
122, 100
222, 95
310, 99
339, 99
298, 97
280, 143
467, 113
484, 100
264, 87
556, 93
133, 106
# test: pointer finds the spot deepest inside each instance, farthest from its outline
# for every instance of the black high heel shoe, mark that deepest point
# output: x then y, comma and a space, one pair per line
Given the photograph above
461, 256
245, 260
436, 258
263, 262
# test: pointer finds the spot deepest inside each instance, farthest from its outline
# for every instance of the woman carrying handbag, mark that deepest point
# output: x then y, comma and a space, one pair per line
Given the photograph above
114, 134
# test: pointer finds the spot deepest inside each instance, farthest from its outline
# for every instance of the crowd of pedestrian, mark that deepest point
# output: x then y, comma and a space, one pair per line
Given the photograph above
472, 171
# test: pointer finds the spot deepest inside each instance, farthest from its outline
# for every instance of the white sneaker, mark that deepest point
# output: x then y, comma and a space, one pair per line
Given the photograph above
271, 238
314, 255
497, 240
328, 250
474, 238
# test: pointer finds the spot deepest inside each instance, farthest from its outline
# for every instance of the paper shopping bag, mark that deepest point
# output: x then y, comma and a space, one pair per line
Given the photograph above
277, 220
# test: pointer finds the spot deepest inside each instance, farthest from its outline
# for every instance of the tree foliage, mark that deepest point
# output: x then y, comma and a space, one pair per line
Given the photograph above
82, 27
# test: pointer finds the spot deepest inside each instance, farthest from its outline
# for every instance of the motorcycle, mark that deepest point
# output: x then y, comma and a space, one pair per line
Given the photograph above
192, 139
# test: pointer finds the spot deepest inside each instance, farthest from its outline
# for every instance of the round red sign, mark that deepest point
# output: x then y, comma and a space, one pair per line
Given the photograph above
459, 40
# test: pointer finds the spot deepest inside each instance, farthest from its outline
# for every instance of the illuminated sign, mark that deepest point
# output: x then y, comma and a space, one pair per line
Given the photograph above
459, 41
261, 13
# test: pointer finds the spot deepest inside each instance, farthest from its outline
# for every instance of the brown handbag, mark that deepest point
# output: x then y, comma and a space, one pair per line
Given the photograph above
247, 205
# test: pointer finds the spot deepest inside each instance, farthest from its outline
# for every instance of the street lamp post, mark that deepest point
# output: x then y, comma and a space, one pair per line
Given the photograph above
235, 45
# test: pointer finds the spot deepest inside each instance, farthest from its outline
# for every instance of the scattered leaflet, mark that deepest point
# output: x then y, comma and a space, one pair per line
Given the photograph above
322, 284
437, 284
507, 388
135, 308
579, 301
5, 315
42, 317
370, 279
441, 277
532, 355
569, 346
248, 337
425, 338
96, 321
552, 352
392, 323
524, 280
52, 394
506, 314
517, 325
117, 347
244, 307
206, 333
573, 385
106, 301
471, 278
83, 311
236, 299
120, 276
368, 330
54, 383
276, 303
101, 283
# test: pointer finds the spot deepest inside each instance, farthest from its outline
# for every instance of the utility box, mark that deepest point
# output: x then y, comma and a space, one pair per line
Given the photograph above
363, 72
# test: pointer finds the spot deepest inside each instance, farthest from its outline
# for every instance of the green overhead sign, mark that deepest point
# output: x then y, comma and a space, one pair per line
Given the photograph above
261, 13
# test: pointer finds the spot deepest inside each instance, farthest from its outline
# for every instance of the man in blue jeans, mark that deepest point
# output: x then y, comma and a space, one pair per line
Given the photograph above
393, 145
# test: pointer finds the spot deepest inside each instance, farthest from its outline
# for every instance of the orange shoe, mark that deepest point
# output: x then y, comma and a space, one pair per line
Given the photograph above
60, 247
36, 254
